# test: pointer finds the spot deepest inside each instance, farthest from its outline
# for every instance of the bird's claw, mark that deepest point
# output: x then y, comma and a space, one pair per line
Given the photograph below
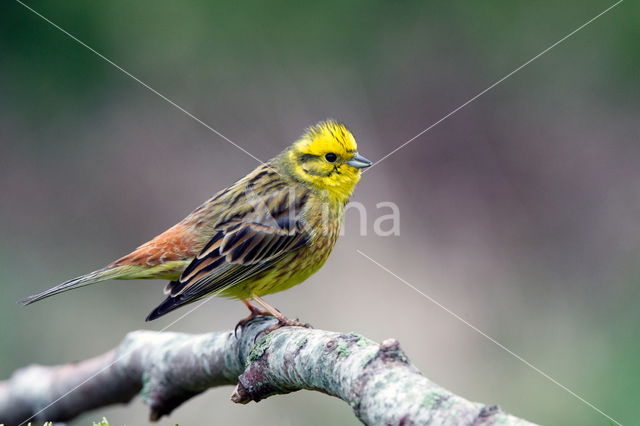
254, 314
282, 322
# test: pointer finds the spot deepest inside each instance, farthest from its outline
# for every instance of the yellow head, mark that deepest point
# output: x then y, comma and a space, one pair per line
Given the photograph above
326, 159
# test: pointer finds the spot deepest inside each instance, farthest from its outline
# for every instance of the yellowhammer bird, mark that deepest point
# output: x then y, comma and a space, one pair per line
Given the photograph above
266, 233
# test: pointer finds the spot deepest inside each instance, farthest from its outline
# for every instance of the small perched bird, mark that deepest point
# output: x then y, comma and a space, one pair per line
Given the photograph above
269, 231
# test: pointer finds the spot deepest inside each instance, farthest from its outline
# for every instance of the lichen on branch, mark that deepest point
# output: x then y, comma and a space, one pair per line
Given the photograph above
377, 380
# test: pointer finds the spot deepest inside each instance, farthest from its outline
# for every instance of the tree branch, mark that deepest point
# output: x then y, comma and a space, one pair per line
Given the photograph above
376, 380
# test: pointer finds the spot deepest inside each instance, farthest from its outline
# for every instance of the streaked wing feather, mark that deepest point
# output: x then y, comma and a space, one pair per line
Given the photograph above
232, 275
242, 249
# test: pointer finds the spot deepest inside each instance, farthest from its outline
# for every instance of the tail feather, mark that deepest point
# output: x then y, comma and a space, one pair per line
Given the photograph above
167, 305
84, 280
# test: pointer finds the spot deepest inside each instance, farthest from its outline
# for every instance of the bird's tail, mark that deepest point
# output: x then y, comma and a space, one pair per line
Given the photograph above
169, 304
94, 277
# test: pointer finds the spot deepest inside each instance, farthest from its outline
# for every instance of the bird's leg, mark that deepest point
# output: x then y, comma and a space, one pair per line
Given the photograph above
282, 320
255, 312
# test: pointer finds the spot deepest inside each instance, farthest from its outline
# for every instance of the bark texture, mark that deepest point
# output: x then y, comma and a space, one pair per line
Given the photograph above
376, 380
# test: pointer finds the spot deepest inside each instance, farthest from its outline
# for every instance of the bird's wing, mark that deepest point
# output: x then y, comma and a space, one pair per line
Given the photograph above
246, 243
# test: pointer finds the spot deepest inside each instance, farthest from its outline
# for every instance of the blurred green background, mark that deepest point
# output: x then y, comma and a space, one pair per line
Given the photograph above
521, 212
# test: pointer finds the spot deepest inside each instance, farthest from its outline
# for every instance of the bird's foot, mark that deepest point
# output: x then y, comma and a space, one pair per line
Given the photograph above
271, 311
255, 312
285, 322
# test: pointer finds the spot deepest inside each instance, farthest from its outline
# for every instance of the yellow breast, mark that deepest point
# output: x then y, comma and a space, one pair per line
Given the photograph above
324, 220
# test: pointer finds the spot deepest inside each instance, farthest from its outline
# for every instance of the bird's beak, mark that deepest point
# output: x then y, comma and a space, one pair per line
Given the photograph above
359, 161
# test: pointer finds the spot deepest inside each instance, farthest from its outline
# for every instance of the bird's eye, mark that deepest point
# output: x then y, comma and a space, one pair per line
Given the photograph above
331, 157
